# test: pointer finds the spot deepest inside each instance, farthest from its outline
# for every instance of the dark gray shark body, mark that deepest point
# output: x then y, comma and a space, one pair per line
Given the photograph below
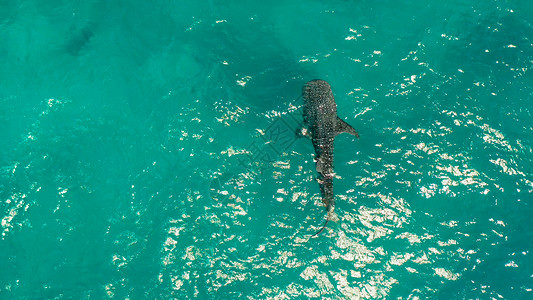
323, 124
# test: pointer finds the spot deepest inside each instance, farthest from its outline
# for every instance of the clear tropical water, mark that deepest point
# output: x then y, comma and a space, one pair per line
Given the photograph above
147, 150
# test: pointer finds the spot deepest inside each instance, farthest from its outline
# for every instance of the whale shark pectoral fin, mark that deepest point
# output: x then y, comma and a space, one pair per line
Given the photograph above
303, 132
345, 127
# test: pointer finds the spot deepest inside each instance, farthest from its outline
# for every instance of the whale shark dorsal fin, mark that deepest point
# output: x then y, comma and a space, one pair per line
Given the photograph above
319, 164
342, 126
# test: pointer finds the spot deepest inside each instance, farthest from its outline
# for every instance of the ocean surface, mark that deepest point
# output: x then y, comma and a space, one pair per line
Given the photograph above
148, 150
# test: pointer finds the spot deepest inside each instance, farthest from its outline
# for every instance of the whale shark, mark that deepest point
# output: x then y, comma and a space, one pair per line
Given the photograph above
321, 125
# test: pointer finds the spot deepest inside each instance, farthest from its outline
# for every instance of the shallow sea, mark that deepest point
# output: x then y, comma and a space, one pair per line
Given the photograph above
147, 150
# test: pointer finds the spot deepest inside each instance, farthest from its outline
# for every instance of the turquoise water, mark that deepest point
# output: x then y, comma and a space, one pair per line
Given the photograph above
147, 150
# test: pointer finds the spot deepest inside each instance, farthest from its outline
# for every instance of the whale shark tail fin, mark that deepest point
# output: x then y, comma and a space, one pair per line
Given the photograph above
330, 215
345, 127
322, 228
